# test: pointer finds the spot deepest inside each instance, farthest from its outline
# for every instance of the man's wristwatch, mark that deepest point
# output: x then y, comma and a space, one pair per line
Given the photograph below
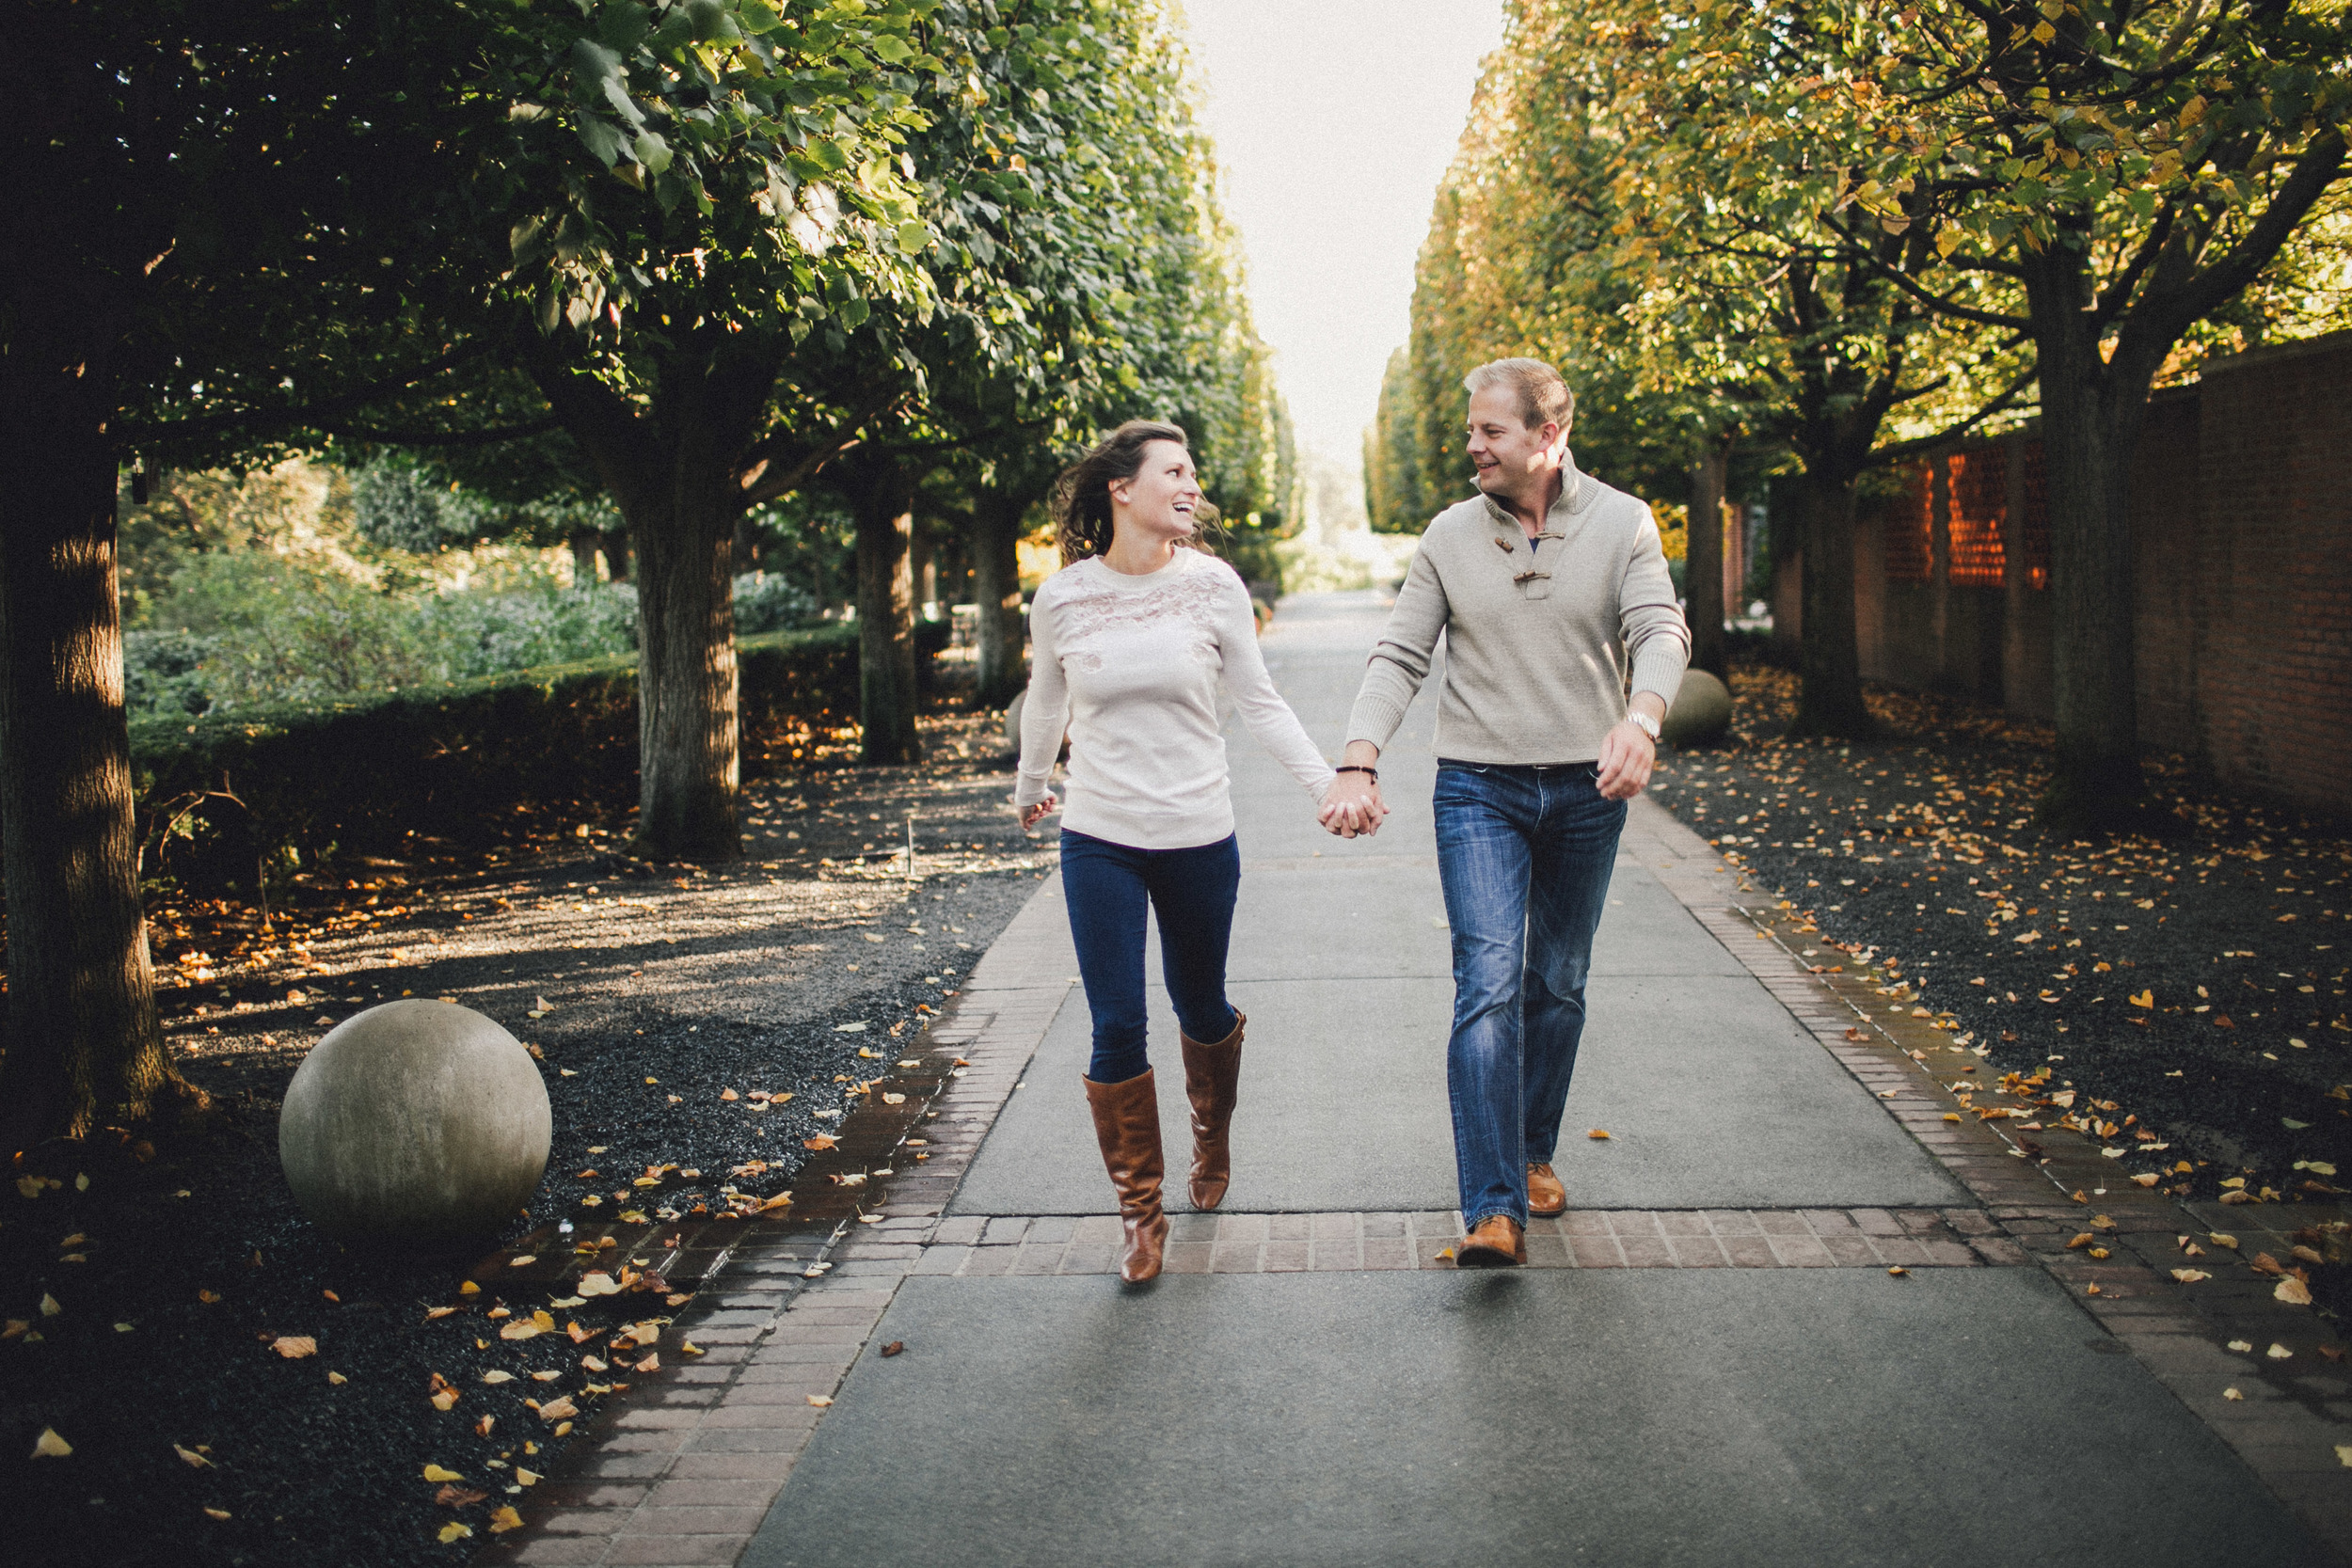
1643, 723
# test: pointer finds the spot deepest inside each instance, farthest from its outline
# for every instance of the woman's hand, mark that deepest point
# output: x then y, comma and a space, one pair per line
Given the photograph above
1032, 816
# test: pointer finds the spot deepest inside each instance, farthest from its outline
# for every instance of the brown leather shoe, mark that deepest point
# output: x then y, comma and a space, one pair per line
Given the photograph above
1496, 1243
1213, 1084
1127, 1126
1545, 1194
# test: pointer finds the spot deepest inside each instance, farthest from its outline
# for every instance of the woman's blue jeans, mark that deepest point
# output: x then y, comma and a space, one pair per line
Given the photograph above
1107, 886
1524, 854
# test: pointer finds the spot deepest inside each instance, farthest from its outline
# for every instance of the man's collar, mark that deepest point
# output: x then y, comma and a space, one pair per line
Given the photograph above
1575, 493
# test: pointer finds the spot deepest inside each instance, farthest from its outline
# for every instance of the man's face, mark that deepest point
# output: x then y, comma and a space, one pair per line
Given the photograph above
1509, 456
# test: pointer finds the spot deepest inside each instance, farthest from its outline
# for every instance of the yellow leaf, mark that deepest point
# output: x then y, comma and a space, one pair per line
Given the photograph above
498, 1377
2293, 1291
557, 1409
1598, 1135
521, 1329
294, 1347
503, 1519
337, 1379
528, 1478
454, 1532
1947, 238
49, 1305
821, 1401
191, 1458
216, 1514
598, 1284
2043, 32
435, 1472
2231, 1394
50, 1446
2190, 1277
468, 1289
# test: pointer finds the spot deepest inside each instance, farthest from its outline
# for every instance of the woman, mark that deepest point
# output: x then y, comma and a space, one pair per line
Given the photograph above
1127, 644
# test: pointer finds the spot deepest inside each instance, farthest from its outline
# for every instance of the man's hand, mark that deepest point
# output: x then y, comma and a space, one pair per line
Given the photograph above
1627, 754
1352, 806
1032, 816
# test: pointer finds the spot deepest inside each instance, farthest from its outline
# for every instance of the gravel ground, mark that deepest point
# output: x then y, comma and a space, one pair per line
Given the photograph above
2191, 990
144, 1302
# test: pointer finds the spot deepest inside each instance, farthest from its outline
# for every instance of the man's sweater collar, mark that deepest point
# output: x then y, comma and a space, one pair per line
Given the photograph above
1575, 493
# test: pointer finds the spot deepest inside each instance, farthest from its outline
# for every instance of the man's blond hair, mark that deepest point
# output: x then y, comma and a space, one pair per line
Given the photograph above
1543, 395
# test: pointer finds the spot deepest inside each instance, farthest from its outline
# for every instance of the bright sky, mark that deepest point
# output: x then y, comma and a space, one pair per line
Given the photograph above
1335, 120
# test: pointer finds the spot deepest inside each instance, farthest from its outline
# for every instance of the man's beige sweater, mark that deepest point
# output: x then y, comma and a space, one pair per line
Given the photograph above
1539, 635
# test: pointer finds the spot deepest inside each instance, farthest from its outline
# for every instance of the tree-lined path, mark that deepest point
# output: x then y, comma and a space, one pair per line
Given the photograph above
1793, 1314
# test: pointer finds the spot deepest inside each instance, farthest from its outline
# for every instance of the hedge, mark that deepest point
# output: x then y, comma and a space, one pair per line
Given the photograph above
448, 761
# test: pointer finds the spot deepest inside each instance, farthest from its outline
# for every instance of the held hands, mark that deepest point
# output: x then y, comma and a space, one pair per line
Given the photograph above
1626, 757
1352, 806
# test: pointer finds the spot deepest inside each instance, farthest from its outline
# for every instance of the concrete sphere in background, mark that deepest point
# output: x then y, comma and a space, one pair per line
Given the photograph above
1013, 720
1701, 711
414, 1121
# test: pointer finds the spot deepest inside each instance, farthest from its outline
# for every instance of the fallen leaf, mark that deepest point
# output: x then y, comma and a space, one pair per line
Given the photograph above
337, 1379
441, 1392
1899, 1271
435, 1472
191, 1458
820, 1142
650, 1364
504, 1518
468, 1289
454, 1532
2148, 1178
895, 1347
521, 1329
49, 1305
2190, 1277
1598, 1135
2293, 1291
821, 1401
50, 1446
457, 1496
2241, 1345
528, 1478
2231, 1394
438, 1312
2220, 1239
216, 1514
557, 1409
2082, 1240
2280, 1353
496, 1376
598, 1284
481, 1428
294, 1347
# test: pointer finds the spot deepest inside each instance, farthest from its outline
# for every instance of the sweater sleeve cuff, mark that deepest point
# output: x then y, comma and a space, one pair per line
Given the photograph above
1658, 668
1375, 718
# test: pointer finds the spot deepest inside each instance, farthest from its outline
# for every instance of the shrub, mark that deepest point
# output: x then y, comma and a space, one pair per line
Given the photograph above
454, 760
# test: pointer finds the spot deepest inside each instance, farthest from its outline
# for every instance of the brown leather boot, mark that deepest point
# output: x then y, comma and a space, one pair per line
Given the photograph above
1545, 1195
1213, 1084
1127, 1125
1495, 1243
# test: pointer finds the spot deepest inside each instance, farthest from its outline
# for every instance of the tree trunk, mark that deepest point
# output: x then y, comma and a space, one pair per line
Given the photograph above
1829, 698
2090, 420
689, 766
616, 555
83, 1044
997, 587
884, 503
583, 546
1703, 564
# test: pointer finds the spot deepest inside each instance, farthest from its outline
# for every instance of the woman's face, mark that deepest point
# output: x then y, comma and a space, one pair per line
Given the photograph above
1162, 497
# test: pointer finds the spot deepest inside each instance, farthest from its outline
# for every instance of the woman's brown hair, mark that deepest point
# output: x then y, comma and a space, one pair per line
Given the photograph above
1082, 497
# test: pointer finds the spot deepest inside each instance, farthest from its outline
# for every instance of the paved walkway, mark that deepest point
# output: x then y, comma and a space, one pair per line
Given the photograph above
1804, 1309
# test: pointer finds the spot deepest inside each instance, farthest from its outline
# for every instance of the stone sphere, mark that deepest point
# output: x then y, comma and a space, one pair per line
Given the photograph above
1701, 711
1012, 720
414, 1121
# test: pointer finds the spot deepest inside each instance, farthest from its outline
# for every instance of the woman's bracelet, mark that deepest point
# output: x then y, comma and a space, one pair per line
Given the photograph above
1352, 768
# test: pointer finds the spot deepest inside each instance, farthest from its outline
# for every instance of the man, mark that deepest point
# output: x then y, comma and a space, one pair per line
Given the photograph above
1547, 585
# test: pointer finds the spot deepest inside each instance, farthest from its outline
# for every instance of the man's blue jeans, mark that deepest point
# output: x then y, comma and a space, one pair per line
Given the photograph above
1524, 854
1106, 886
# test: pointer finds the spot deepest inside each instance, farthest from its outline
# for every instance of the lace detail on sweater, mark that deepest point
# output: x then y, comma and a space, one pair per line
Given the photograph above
1091, 613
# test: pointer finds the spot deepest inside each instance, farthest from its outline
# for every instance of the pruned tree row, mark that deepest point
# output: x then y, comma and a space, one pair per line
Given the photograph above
1808, 240
681, 259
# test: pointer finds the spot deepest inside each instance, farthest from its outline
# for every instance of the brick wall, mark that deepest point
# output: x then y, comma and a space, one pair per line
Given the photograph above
2241, 510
